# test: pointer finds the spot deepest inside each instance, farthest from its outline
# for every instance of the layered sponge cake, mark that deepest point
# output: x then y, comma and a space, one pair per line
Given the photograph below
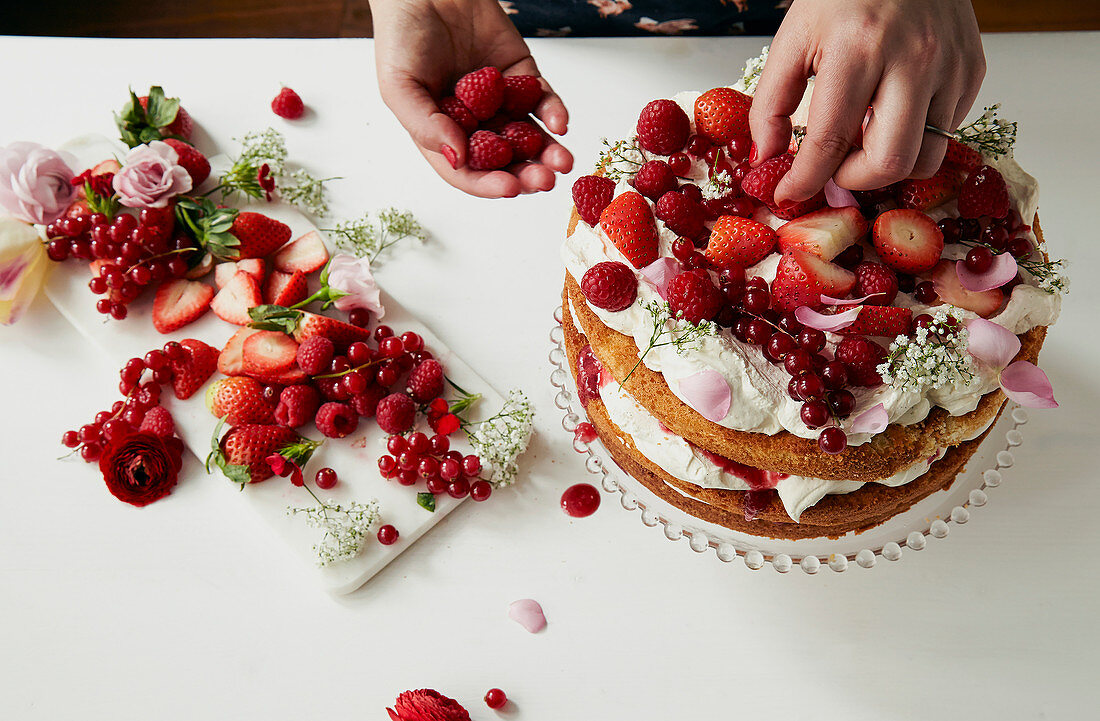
799, 371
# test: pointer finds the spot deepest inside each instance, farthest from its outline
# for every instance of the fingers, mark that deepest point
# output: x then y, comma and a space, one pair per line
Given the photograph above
430, 128
483, 184
941, 114
551, 110
778, 93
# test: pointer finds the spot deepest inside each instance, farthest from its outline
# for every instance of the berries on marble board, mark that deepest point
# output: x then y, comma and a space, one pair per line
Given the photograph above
257, 235
238, 400
315, 354
495, 698
425, 381
179, 302
610, 285
249, 445
396, 413
307, 254
158, 421
336, 420
193, 368
388, 535
663, 127
326, 479
297, 405
629, 224
288, 104
591, 194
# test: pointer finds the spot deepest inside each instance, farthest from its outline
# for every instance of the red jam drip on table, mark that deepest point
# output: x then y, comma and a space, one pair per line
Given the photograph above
757, 479
580, 500
589, 370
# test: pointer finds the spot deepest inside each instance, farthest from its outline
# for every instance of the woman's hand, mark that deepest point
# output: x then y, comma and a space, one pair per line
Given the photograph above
422, 47
912, 61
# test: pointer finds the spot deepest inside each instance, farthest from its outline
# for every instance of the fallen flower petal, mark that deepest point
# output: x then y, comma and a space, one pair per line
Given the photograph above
708, 392
809, 317
872, 420
991, 343
1003, 269
659, 273
839, 197
1027, 384
527, 613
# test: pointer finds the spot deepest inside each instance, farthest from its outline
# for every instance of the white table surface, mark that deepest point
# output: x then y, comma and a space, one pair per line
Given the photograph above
191, 609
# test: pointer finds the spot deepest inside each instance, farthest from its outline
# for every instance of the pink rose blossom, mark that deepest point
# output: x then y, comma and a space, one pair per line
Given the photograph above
352, 276
150, 176
34, 182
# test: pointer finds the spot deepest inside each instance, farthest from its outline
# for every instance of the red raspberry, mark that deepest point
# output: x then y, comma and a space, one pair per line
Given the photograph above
984, 192
297, 405
861, 356
760, 182
663, 127
693, 297
654, 179
876, 278
522, 94
488, 151
191, 160
315, 354
525, 139
591, 194
288, 104
456, 111
482, 91
610, 285
366, 403
681, 214
158, 421
396, 413
336, 420
426, 381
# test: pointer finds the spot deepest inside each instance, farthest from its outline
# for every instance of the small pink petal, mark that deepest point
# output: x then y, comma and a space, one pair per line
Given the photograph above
1002, 270
1027, 384
991, 343
839, 197
872, 420
527, 613
829, 300
707, 392
659, 273
809, 317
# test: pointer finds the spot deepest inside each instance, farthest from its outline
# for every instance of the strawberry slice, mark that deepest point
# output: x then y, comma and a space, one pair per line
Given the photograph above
629, 224
286, 289
231, 358
926, 193
880, 320
825, 233
738, 242
302, 325
962, 156
268, 352
106, 166
306, 254
194, 369
289, 377
801, 278
721, 114
232, 302
258, 235
907, 240
224, 272
179, 302
945, 278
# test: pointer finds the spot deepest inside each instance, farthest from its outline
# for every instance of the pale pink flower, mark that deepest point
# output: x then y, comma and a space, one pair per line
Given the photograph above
35, 182
353, 278
150, 176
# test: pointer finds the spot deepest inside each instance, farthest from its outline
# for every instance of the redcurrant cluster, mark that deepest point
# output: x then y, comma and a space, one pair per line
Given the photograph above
995, 236
417, 457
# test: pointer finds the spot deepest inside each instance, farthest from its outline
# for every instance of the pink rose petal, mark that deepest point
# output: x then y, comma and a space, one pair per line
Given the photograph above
659, 273
1002, 270
809, 317
872, 420
527, 613
991, 343
829, 300
1027, 384
839, 197
707, 392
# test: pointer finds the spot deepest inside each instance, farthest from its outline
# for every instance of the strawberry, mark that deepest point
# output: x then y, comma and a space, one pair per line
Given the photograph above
231, 358
425, 383
179, 302
738, 242
239, 400
487, 151
180, 124
962, 156
191, 160
482, 91
224, 272
629, 224
984, 192
258, 234
522, 94
880, 320
663, 127
158, 421
945, 278
232, 302
721, 114
799, 209
877, 280
194, 369
681, 214
610, 285
307, 254
654, 179
453, 108
526, 140
291, 376
927, 193
760, 182
591, 194
242, 452
693, 297
268, 353
288, 104
825, 233
286, 289
802, 278
907, 240
303, 325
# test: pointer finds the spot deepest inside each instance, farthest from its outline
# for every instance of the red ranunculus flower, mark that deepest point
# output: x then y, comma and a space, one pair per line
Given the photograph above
142, 467
426, 704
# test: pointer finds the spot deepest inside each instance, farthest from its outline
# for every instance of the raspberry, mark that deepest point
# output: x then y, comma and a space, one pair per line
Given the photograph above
522, 94
591, 194
482, 91
288, 104
610, 285
191, 160
860, 356
315, 354
760, 182
681, 214
488, 151
456, 111
366, 403
876, 278
426, 381
984, 192
663, 127
158, 421
297, 405
693, 297
525, 139
396, 413
336, 420
654, 179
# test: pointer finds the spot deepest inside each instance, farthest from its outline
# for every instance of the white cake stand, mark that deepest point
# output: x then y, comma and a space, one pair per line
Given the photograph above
931, 517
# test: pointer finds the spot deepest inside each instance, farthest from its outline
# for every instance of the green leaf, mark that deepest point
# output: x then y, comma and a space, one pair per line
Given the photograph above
274, 317
237, 474
301, 451
426, 501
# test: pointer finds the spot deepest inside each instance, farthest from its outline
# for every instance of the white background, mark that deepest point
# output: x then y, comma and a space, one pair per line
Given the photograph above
190, 608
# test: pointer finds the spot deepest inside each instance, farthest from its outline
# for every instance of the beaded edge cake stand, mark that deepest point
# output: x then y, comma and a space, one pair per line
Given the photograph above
931, 517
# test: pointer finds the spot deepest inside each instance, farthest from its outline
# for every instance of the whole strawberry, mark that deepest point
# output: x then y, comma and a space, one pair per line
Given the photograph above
654, 179
426, 381
693, 297
739, 242
181, 125
239, 400
395, 413
663, 127
526, 140
191, 160
258, 234
591, 194
610, 285
877, 280
984, 192
288, 104
522, 94
721, 114
242, 452
629, 225
681, 214
926, 193
482, 91
456, 111
298, 405
488, 151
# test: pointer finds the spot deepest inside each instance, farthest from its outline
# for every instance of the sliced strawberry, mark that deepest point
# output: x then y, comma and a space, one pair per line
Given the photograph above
289, 377
945, 278
907, 240
232, 302
962, 156
738, 242
179, 302
825, 233
799, 209
224, 272
880, 320
629, 224
721, 114
231, 359
258, 235
268, 352
926, 193
194, 369
286, 289
802, 278
106, 166
306, 254
340, 333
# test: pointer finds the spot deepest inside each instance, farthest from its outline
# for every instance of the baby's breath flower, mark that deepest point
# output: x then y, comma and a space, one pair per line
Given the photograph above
621, 159
1051, 275
367, 237
302, 189
933, 358
264, 146
750, 76
247, 174
673, 331
345, 527
499, 441
989, 134
718, 186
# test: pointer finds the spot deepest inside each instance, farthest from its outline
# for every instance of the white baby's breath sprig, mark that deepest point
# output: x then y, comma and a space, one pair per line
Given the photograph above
718, 186
501, 439
672, 330
1050, 274
262, 168
934, 357
989, 134
621, 159
345, 527
307, 192
750, 76
369, 235
264, 146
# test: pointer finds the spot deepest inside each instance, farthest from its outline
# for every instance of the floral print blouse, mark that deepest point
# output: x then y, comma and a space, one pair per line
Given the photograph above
560, 18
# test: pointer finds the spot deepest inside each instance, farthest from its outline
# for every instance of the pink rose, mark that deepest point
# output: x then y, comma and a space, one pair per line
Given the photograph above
150, 176
351, 276
34, 182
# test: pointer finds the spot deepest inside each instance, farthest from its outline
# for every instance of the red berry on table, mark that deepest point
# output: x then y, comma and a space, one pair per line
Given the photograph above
388, 535
482, 91
629, 225
359, 317
238, 400
70, 439
878, 280
288, 104
387, 466
250, 445
681, 213
336, 420
693, 297
580, 500
907, 240
495, 698
450, 469
315, 354
610, 285
395, 413
522, 95
191, 160
832, 441
158, 421
739, 242
591, 194
90, 452
297, 405
654, 179
984, 192
417, 443
326, 479
436, 485
458, 488
722, 114
426, 381
453, 108
663, 127
258, 235
526, 140
471, 466
481, 490
487, 151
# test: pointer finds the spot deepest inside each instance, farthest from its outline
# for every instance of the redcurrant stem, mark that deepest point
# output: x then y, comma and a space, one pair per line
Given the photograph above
368, 364
143, 261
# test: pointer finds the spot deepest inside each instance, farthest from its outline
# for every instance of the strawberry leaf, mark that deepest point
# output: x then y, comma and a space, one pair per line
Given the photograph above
301, 451
209, 225
274, 317
426, 501
235, 473
138, 125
